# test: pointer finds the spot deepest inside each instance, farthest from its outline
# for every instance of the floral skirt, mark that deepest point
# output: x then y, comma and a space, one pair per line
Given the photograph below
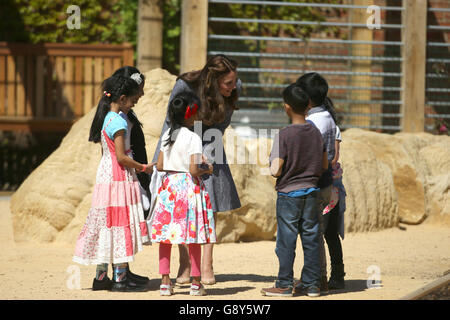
182, 213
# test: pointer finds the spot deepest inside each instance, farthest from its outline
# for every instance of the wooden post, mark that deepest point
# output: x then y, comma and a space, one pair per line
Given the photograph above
414, 37
361, 34
3, 85
128, 55
11, 85
150, 31
194, 34
88, 80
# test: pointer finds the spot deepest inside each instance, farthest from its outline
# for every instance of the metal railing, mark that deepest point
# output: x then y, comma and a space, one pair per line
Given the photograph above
437, 107
364, 86
365, 97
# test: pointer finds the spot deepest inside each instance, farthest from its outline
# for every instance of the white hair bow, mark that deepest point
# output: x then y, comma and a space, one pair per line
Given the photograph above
136, 77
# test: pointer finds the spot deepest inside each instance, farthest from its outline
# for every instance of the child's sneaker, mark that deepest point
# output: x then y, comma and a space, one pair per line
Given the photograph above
312, 291
197, 290
277, 292
166, 290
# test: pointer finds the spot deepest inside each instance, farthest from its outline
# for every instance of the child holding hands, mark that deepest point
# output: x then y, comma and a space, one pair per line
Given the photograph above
182, 212
115, 228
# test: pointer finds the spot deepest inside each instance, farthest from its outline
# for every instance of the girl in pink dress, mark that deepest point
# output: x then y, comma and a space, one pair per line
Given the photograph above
115, 228
182, 212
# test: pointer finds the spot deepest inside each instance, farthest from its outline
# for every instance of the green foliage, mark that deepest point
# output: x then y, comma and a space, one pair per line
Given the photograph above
171, 35
39, 21
115, 21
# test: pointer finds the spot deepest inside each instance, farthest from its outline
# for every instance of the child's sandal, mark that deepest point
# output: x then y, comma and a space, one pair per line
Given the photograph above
197, 290
166, 290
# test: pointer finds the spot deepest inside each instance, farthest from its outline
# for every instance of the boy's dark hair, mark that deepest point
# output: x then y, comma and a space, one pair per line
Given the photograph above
317, 89
315, 86
296, 98
115, 86
177, 110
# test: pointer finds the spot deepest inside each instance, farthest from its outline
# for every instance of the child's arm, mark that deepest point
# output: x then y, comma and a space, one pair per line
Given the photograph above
276, 167
195, 170
123, 159
336, 155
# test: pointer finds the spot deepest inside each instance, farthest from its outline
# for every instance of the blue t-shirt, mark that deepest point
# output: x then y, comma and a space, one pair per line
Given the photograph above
116, 124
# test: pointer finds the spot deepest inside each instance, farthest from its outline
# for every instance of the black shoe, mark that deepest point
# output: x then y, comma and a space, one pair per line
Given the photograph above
128, 285
137, 278
337, 277
324, 285
104, 284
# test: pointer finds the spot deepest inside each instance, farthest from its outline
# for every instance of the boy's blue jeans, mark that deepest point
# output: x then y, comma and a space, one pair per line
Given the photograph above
298, 216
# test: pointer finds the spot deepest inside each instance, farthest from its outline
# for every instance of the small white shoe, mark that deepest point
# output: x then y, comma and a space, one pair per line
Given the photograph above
197, 290
165, 290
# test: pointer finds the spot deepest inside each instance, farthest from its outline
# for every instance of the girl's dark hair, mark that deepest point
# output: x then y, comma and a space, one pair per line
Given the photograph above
176, 112
328, 103
317, 88
115, 86
127, 71
205, 83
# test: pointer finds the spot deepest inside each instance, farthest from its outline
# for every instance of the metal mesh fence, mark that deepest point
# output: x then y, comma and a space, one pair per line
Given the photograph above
437, 107
362, 66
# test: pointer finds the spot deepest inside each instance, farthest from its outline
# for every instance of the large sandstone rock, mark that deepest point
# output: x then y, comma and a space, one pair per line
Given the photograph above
388, 178
419, 166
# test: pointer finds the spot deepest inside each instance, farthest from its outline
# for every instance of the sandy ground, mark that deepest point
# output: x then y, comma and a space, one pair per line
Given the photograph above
405, 261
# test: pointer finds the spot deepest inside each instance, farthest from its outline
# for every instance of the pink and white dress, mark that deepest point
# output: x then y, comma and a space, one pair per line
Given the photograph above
115, 228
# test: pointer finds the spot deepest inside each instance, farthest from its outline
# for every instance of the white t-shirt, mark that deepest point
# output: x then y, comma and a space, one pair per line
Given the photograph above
338, 134
177, 156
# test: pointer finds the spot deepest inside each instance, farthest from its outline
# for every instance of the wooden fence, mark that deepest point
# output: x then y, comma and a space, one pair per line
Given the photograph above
46, 87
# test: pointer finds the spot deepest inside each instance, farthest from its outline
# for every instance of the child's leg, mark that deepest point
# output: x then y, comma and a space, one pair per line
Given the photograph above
120, 272
164, 262
102, 271
288, 215
323, 198
309, 233
207, 261
195, 255
185, 267
332, 237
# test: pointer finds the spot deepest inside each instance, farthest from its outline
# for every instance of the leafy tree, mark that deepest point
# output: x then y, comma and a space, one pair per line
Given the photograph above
39, 21
115, 21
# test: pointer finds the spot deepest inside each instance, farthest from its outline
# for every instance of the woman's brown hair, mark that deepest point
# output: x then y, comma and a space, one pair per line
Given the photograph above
205, 82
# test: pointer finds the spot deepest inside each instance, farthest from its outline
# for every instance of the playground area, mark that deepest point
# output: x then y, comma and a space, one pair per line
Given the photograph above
387, 66
384, 265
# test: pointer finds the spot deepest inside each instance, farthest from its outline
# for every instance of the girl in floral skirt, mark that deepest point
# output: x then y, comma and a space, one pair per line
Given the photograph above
182, 212
115, 228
